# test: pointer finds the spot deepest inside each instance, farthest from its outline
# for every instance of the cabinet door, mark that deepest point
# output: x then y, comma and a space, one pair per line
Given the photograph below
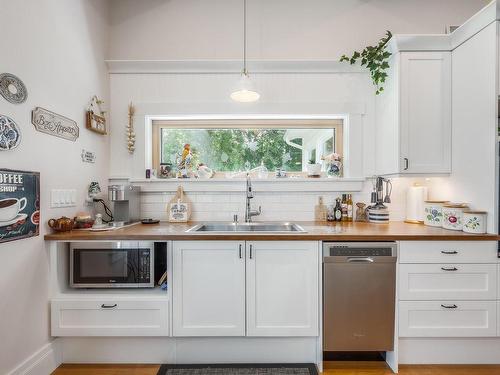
208, 288
425, 112
282, 288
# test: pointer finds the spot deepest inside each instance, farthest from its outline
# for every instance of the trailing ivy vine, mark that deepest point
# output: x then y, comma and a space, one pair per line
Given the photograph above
376, 59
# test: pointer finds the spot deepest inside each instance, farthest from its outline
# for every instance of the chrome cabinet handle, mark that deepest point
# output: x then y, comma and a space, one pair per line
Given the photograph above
104, 306
449, 268
449, 306
240, 251
360, 260
452, 252
250, 251
407, 162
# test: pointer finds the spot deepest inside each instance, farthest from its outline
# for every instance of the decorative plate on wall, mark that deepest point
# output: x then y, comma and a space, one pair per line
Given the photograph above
12, 88
10, 134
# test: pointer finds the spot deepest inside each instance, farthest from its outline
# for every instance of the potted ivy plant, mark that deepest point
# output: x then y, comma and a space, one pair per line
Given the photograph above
375, 59
313, 168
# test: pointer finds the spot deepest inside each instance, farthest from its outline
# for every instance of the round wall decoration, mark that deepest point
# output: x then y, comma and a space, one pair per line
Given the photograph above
12, 88
10, 134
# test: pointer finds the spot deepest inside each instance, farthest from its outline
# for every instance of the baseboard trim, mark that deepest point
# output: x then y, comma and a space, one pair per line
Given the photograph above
42, 362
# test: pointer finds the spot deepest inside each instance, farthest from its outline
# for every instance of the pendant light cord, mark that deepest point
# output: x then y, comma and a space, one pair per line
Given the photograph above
245, 37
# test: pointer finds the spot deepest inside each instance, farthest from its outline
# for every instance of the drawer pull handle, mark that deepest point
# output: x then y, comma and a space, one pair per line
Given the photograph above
453, 252
449, 306
240, 251
104, 306
449, 268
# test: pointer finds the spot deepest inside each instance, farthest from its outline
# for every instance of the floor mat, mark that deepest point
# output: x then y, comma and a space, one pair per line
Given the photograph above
241, 369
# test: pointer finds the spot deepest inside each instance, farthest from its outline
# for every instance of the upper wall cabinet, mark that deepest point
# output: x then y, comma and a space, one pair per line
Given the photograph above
414, 115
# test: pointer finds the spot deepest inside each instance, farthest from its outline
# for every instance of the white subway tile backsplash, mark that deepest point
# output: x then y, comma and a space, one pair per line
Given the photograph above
276, 206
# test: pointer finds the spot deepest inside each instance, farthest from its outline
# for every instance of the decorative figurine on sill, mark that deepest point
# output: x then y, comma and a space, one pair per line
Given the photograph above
184, 166
333, 165
204, 172
360, 211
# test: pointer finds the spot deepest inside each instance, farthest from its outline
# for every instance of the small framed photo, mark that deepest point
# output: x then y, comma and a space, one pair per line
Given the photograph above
96, 123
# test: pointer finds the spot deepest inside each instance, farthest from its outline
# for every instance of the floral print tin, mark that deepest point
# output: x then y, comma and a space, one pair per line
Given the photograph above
453, 215
433, 213
475, 221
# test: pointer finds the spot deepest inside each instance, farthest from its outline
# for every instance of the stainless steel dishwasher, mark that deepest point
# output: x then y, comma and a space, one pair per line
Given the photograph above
359, 287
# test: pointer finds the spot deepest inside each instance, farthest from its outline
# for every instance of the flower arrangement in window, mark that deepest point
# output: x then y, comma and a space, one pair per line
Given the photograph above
334, 167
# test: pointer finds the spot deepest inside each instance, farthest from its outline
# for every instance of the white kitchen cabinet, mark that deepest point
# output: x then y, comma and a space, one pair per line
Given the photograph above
448, 282
448, 252
208, 288
414, 115
282, 288
109, 317
447, 318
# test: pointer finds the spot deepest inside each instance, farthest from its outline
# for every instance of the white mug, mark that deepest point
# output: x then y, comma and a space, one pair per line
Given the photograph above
10, 208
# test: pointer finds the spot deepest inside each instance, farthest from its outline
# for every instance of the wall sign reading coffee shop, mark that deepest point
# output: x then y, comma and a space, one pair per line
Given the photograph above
19, 204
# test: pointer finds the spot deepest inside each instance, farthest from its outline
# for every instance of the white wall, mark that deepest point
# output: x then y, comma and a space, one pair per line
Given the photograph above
58, 48
277, 29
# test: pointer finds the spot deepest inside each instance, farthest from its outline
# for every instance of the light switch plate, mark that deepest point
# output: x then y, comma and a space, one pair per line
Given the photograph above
62, 198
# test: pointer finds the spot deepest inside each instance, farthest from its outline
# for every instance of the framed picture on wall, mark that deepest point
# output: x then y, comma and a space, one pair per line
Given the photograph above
19, 204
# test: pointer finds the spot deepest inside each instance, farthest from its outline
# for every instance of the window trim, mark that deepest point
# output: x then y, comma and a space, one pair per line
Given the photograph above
157, 125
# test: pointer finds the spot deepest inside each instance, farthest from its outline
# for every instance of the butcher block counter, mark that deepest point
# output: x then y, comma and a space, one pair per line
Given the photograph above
318, 231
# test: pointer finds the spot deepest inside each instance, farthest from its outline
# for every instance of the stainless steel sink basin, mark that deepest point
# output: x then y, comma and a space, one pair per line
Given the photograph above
247, 227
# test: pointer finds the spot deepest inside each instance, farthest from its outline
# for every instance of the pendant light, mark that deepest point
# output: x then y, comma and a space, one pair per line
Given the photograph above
245, 92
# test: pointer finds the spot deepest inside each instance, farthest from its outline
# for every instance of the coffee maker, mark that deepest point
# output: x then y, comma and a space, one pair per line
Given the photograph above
378, 211
125, 204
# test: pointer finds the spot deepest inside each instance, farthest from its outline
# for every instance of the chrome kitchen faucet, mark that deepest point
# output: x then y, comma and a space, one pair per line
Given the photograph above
249, 213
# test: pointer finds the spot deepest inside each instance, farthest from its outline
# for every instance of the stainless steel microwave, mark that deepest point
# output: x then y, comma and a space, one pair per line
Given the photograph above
117, 264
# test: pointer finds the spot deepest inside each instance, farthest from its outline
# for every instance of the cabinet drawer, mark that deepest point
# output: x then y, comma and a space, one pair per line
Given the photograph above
448, 252
109, 317
447, 318
447, 281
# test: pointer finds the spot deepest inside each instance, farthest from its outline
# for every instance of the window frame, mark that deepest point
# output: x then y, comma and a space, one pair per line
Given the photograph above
157, 125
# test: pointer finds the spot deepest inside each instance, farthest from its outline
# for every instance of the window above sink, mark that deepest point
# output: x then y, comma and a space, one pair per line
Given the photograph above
231, 147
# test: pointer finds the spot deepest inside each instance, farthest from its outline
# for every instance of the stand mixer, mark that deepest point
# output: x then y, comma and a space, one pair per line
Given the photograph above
378, 212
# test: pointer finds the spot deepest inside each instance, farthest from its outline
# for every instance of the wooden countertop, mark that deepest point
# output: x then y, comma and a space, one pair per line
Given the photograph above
318, 231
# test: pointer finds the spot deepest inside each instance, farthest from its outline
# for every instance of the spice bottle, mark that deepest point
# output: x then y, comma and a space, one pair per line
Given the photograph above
350, 208
338, 210
343, 204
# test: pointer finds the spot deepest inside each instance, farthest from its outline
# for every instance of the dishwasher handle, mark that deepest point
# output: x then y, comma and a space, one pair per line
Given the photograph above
360, 260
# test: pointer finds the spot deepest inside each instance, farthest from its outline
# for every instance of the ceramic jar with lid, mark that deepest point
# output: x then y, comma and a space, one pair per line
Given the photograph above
453, 215
475, 221
433, 213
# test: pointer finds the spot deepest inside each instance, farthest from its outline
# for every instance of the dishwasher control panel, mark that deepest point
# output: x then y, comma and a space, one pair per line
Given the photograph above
359, 251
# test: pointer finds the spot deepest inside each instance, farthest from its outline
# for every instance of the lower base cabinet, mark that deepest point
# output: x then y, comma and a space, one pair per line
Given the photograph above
109, 317
282, 288
253, 288
447, 318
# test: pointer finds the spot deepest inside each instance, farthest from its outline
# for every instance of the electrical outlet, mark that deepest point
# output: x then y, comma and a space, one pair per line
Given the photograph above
62, 198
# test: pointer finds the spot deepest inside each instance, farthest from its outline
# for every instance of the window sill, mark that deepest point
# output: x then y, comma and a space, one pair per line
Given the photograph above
298, 184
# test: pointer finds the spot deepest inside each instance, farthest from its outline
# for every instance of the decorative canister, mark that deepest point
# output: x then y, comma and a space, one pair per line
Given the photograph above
453, 215
475, 221
433, 213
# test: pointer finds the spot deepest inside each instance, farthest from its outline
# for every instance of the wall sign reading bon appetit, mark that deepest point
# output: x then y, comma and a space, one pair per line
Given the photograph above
48, 122
19, 204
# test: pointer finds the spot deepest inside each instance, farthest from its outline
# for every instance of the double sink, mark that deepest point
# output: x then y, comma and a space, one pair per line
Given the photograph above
246, 228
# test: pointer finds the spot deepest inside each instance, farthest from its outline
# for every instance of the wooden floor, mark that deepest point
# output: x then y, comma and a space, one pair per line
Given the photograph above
331, 368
